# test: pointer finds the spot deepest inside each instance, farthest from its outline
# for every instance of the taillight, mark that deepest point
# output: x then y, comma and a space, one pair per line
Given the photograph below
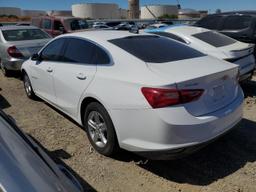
159, 98
14, 52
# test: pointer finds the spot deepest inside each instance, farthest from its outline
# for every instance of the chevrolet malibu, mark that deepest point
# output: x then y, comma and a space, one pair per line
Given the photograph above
140, 92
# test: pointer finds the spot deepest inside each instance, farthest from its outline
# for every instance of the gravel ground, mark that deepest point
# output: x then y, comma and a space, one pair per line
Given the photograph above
229, 164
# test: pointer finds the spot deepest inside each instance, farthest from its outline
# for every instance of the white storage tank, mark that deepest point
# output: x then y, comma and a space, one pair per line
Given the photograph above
95, 10
10, 11
155, 11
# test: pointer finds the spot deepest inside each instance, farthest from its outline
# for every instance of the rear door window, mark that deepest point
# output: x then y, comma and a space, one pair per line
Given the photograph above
155, 49
82, 51
52, 52
214, 38
210, 22
47, 24
237, 22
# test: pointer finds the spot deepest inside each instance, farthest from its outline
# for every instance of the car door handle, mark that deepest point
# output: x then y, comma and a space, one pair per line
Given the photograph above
81, 76
49, 69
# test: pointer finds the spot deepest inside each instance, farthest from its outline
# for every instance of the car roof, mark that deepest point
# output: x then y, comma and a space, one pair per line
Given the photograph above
102, 36
15, 27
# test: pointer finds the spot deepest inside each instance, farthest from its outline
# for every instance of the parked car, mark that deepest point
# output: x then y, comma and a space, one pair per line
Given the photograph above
18, 43
59, 25
125, 26
214, 44
26, 167
157, 26
240, 25
144, 93
101, 26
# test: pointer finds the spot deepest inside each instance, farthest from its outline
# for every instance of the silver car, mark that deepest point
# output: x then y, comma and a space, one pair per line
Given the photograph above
17, 44
24, 166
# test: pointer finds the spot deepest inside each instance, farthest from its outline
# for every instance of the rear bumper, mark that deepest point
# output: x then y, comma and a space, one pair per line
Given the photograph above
180, 152
13, 64
172, 130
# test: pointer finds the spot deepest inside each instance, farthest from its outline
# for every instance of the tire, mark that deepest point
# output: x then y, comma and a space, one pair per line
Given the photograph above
28, 87
5, 71
100, 129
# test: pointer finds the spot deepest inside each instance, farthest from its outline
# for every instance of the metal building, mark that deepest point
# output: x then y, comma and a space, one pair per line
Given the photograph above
10, 11
155, 11
96, 10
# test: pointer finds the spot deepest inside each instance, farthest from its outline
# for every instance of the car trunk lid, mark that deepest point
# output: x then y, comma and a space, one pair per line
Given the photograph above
30, 47
217, 78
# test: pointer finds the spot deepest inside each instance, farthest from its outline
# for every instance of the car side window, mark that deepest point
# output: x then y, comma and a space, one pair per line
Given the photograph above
52, 52
237, 22
47, 24
82, 51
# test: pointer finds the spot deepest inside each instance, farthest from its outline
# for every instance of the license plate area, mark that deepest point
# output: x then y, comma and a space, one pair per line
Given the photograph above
218, 93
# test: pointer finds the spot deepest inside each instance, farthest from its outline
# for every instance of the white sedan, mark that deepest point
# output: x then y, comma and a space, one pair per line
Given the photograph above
214, 44
140, 92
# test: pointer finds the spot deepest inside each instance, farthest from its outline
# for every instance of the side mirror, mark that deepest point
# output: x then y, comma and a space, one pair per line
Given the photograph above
36, 57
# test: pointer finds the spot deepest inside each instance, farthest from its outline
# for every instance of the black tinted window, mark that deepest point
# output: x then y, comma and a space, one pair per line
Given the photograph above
82, 51
53, 51
210, 22
101, 57
154, 49
215, 39
47, 24
79, 51
237, 22
170, 35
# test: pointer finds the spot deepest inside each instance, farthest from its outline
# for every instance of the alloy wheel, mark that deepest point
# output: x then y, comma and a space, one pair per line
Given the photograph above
97, 129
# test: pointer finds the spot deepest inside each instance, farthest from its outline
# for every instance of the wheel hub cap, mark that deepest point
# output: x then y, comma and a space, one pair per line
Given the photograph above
97, 129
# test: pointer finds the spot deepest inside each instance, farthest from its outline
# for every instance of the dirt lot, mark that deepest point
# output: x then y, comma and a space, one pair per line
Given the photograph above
228, 164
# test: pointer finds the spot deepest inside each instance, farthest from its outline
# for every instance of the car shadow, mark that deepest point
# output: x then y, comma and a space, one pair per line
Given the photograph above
218, 160
249, 88
4, 103
57, 156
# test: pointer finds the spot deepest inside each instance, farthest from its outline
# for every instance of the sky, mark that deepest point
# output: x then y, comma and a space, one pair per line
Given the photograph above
210, 5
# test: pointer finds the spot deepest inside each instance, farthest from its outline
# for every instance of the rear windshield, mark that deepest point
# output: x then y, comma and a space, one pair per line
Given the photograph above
215, 39
155, 49
24, 34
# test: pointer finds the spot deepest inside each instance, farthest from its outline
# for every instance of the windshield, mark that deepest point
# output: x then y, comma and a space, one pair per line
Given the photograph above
214, 38
24, 34
155, 49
